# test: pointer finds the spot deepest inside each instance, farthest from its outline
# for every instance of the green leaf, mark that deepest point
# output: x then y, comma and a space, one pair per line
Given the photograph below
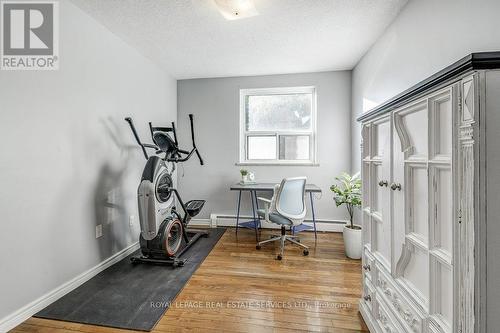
347, 190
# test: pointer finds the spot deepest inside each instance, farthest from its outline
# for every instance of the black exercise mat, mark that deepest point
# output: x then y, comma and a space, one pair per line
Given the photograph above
130, 296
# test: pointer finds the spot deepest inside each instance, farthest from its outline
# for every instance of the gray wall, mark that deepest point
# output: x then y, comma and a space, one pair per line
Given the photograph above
215, 103
68, 159
427, 36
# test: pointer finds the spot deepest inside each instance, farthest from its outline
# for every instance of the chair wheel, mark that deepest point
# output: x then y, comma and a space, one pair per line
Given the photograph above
279, 257
306, 252
258, 247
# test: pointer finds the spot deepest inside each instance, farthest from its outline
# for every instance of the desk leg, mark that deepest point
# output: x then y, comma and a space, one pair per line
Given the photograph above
257, 207
313, 215
253, 195
238, 213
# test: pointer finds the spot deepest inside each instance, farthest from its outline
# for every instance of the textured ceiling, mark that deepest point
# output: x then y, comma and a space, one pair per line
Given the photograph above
191, 39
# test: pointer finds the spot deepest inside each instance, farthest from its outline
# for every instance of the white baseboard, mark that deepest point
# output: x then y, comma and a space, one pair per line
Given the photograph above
230, 221
201, 223
14, 319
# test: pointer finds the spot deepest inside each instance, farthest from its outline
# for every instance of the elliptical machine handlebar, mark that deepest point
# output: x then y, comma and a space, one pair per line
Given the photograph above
143, 145
191, 121
175, 157
175, 134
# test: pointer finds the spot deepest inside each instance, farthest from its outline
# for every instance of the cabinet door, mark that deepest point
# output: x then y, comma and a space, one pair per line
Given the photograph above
441, 207
365, 176
398, 197
411, 200
380, 195
422, 190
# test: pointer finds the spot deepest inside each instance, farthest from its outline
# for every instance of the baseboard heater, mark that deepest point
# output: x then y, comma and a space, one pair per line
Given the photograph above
226, 220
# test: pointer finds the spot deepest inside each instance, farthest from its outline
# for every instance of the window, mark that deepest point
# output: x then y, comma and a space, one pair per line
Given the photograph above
277, 125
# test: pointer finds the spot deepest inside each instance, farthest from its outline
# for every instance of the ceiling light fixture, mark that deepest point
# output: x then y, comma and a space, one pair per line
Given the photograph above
236, 9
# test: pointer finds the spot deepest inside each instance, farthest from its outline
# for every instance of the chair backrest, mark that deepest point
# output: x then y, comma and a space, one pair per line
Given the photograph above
290, 199
272, 206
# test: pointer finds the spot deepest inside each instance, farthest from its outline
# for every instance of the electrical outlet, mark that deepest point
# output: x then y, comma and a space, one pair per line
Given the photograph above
131, 220
98, 231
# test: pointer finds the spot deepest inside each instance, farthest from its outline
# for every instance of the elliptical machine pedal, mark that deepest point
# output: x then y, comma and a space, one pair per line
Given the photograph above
164, 236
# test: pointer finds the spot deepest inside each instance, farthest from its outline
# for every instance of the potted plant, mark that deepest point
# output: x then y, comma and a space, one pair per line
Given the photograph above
348, 192
244, 175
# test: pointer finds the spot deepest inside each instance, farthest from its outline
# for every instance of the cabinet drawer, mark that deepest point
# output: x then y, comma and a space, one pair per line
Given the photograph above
407, 315
368, 293
385, 320
368, 263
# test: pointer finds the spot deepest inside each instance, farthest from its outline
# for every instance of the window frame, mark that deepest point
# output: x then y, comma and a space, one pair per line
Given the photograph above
244, 134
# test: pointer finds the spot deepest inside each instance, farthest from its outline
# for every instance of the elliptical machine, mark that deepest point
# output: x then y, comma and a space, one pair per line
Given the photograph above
164, 236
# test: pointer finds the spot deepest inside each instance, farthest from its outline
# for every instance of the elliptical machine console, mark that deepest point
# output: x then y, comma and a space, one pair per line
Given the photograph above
164, 236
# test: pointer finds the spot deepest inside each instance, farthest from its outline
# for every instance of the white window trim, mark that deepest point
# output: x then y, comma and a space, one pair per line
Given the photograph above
313, 133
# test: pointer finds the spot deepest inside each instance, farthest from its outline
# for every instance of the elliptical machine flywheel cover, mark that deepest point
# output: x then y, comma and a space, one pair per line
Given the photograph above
163, 185
172, 237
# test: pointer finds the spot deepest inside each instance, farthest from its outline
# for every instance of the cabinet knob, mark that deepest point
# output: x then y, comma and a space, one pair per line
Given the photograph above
367, 298
367, 267
395, 186
383, 183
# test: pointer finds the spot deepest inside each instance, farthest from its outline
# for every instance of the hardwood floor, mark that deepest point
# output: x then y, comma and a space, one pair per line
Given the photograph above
241, 289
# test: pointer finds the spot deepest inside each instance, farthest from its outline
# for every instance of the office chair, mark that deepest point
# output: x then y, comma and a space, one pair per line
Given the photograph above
287, 208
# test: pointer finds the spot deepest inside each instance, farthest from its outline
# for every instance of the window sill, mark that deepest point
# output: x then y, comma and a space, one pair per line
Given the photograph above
311, 164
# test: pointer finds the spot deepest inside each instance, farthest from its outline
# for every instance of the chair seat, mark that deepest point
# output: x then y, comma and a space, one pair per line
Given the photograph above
275, 218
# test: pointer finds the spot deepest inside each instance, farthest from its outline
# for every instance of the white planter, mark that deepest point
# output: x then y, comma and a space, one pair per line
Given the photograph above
352, 242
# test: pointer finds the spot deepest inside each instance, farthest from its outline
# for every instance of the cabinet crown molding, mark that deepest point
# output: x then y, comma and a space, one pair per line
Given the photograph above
471, 62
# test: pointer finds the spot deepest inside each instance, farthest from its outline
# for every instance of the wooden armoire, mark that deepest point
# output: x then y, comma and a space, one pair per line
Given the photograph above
431, 200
